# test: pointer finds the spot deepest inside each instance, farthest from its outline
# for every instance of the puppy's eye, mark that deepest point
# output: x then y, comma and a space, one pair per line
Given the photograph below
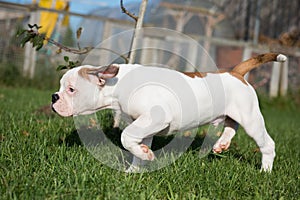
71, 89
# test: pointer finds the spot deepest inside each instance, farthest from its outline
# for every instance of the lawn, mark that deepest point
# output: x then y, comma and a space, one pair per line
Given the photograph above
40, 158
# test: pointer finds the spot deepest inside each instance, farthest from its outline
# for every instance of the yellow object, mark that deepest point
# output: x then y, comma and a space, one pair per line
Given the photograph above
66, 19
48, 20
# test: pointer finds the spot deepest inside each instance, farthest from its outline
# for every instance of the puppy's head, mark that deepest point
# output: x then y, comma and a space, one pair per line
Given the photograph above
80, 90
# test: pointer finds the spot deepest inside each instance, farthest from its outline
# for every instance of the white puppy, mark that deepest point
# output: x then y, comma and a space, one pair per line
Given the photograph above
163, 101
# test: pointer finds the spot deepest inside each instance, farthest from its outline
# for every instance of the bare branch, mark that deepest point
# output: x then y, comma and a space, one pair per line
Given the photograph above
31, 34
85, 50
124, 10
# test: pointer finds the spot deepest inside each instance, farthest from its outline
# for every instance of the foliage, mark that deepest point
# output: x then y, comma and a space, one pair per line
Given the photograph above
40, 159
69, 64
32, 35
37, 39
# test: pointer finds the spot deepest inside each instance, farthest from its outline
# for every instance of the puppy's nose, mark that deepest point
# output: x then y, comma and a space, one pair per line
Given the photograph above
55, 97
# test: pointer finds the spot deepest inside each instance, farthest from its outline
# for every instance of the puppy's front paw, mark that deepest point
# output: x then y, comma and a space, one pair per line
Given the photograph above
149, 153
221, 146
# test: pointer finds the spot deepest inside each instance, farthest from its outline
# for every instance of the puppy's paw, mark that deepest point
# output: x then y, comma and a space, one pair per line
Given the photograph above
266, 167
220, 146
143, 152
224, 141
149, 153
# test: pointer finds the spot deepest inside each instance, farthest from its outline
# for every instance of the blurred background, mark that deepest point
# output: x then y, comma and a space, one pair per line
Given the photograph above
229, 30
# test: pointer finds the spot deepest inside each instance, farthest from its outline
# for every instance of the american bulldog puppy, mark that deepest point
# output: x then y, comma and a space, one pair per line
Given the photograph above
163, 101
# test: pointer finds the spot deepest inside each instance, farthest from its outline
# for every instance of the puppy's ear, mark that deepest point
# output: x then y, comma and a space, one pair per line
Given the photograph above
107, 72
100, 73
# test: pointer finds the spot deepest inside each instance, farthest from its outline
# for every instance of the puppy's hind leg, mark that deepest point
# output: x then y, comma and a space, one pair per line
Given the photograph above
223, 143
254, 125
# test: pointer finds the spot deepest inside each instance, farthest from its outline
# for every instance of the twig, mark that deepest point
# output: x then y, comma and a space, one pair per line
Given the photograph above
84, 50
124, 10
78, 35
60, 46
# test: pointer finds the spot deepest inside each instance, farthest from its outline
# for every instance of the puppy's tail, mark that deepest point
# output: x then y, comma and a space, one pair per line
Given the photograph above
244, 67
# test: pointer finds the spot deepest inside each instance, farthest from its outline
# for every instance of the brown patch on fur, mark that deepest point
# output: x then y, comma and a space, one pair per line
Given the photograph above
204, 74
195, 74
105, 71
252, 63
84, 72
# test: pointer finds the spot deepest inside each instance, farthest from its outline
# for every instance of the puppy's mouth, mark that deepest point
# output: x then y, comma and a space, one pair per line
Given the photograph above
59, 113
71, 114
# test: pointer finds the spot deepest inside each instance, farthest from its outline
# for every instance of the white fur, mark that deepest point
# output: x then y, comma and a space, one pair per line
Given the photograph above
281, 58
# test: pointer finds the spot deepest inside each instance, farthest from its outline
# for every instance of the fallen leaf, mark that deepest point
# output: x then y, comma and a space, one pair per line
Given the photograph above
93, 123
25, 133
187, 133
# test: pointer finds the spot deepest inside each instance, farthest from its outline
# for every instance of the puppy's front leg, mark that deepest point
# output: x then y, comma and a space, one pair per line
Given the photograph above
146, 143
137, 163
143, 127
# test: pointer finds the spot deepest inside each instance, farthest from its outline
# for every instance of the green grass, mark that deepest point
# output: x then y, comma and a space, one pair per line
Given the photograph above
39, 160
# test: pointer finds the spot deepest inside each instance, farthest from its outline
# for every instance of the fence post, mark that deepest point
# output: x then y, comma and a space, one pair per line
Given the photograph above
275, 78
30, 53
284, 78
